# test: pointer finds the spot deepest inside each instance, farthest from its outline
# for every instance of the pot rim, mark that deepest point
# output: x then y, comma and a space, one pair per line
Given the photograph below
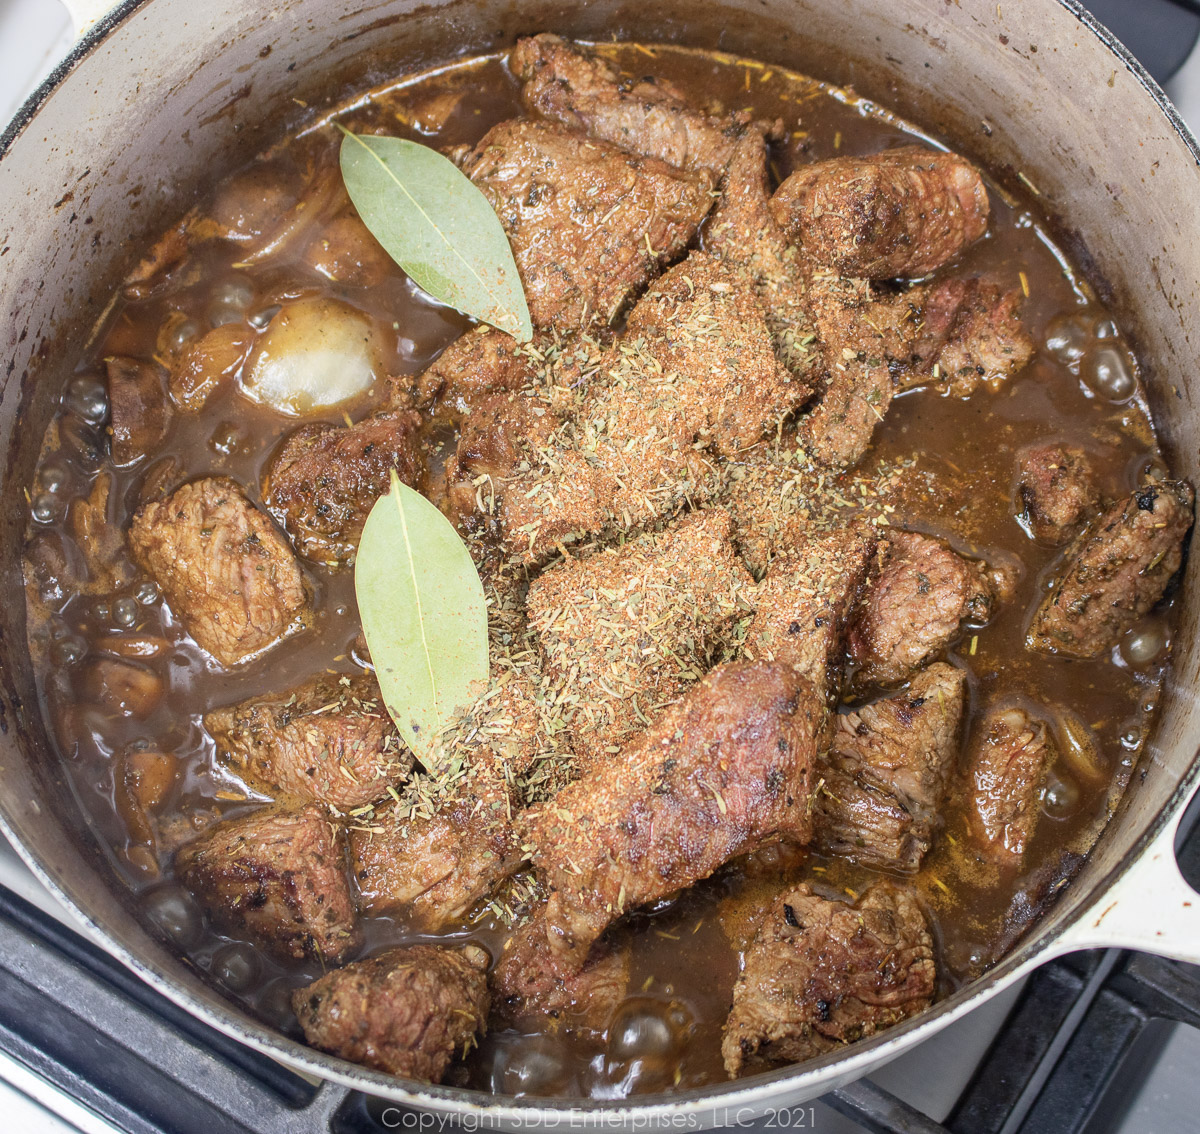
753, 1093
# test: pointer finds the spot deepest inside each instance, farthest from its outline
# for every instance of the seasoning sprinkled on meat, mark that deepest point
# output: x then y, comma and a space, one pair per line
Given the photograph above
224, 568
916, 607
575, 86
902, 212
532, 983
1056, 490
802, 606
884, 779
821, 974
329, 740
408, 1012
279, 877
481, 362
1115, 571
590, 225
141, 414
1010, 757
324, 479
726, 770
628, 629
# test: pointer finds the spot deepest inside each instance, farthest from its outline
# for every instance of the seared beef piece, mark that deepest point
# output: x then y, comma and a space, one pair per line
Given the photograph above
628, 629
823, 974
861, 336
324, 479
141, 414
1057, 489
1009, 761
436, 868
744, 234
207, 364
224, 569
344, 250
916, 607
576, 87
1115, 571
481, 362
970, 334
531, 982
590, 225
329, 740
695, 370
725, 771
278, 877
903, 212
803, 604
408, 1012
885, 775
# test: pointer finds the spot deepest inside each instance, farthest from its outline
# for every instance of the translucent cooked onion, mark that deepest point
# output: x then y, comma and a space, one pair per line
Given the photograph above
315, 353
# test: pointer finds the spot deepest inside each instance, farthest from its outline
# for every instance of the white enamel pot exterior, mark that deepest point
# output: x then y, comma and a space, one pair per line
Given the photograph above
162, 96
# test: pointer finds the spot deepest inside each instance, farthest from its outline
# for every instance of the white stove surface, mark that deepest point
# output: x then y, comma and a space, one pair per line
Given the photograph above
34, 36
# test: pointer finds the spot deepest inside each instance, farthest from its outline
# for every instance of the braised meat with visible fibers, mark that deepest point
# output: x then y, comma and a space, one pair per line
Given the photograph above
1009, 761
628, 629
324, 479
882, 783
408, 1012
726, 770
916, 607
1115, 571
589, 224
574, 86
481, 362
802, 606
532, 982
902, 212
329, 740
279, 877
821, 974
1057, 490
223, 567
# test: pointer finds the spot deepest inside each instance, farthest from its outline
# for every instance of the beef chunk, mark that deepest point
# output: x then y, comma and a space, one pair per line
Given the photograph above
481, 362
141, 414
629, 628
1009, 761
1057, 489
903, 212
279, 877
861, 336
1115, 571
223, 567
803, 605
330, 741
885, 775
970, 335
436, 866
916, 607
324, 479
822, 974
695, 371
531, 982
726, 770
408, 1011
590, 225
576, 87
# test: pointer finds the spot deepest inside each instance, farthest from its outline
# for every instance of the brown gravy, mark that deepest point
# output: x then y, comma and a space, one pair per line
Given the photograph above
668, 1033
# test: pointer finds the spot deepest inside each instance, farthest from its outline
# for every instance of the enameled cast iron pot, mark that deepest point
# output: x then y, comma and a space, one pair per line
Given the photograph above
161, 97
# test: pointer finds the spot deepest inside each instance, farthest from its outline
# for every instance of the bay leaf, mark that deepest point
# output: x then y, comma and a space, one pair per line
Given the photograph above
436, 224
423, 614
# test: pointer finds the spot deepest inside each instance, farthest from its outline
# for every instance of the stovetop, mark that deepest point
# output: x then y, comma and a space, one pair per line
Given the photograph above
1097, 1043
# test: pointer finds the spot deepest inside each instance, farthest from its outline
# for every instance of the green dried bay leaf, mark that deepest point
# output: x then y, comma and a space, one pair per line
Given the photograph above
424, 616
436, 224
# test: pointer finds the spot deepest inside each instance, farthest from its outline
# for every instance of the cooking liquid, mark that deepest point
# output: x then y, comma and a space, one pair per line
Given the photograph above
685, 951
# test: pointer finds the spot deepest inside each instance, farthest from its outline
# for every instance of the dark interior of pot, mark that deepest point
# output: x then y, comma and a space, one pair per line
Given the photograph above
120, 147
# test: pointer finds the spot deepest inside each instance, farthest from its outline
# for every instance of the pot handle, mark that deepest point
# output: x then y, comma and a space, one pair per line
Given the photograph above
85, 13
1150, 908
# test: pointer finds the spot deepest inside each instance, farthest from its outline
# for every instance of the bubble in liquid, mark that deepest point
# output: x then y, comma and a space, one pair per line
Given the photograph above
227, 437
229, 302
237, 966
1144, 643
176, 913
532, 1066
44, 508
275, 1004
125, 612
1061, 797
181, 334
1068, 337
1107, 371
146, 593
259, 319
87, 398
53, 477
